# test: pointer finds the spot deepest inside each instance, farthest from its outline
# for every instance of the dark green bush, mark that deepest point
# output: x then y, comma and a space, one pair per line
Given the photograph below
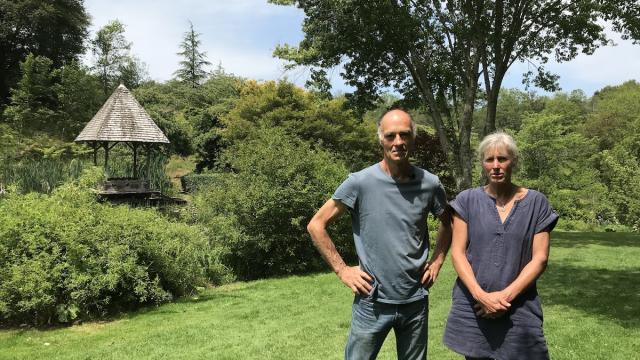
192, 182
64, 256
257, 214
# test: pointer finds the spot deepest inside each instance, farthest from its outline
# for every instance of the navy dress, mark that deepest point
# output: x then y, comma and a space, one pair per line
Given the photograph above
497, 253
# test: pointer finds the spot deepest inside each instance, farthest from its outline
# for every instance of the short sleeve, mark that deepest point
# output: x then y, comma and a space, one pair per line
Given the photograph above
547, 217
347, 192
439, 200
460, 205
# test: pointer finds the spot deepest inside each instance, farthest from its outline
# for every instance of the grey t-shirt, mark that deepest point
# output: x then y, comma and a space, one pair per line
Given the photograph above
390, 228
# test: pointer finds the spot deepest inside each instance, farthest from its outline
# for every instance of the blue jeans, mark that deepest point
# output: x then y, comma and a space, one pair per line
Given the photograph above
371, 322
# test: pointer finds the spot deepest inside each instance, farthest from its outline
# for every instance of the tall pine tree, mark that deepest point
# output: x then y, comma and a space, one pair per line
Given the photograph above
192, 68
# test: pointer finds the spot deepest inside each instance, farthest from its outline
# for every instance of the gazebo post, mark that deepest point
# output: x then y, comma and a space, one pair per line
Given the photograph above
149, 163
134, 145
106, 155
95, 153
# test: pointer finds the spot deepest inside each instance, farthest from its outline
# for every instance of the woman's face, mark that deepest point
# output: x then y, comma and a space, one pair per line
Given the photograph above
497, 164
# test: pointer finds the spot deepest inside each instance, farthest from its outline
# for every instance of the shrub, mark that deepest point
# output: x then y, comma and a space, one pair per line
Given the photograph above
192, 182
64, 256
257, 215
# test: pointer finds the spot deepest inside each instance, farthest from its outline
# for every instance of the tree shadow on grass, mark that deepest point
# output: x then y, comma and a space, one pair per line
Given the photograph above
577, 239
612, 294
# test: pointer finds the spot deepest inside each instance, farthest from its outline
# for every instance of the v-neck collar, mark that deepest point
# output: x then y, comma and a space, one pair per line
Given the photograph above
514, 208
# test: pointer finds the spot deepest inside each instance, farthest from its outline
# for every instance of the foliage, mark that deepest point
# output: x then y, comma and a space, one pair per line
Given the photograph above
440, 52
246, 318
190, 116
428, 155
258, 213
53, 29
54, 101
9, 145
39, 163
323, 123
620, 172
42, 175
192, 66
65, 257
555, 161
113, 62
513, 105
615, 118
193, 182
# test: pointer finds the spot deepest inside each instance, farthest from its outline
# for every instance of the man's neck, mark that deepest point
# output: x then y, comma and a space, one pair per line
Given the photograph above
399, 170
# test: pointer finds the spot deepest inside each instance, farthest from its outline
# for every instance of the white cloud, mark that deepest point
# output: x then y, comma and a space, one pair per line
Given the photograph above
241, 34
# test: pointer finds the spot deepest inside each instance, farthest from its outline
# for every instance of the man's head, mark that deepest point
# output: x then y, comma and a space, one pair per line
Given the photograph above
397, 133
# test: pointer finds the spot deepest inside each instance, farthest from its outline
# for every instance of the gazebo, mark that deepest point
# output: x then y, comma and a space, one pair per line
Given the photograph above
122, 120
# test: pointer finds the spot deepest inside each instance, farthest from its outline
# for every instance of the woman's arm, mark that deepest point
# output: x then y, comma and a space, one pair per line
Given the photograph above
489, 304
533, 270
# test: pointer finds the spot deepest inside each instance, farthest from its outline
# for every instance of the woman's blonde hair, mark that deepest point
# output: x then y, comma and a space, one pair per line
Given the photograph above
498, 139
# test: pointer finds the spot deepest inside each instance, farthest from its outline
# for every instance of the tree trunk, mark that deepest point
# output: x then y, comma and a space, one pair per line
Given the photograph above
458, 150
492, 106
465, 154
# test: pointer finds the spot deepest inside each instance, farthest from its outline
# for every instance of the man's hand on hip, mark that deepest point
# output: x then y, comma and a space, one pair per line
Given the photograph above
356, 279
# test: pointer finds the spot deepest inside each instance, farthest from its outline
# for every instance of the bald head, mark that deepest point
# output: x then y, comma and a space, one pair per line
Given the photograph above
395, 114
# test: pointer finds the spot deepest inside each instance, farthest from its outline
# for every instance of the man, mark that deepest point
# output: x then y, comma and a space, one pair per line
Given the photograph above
388, 202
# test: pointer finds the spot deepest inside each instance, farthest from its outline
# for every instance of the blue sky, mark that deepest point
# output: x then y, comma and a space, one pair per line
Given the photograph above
241, 35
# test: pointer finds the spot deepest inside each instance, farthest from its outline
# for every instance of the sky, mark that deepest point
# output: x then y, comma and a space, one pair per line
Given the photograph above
242, 34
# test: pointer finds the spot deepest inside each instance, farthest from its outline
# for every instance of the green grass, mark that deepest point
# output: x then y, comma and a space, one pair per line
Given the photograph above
590, 295
177, 167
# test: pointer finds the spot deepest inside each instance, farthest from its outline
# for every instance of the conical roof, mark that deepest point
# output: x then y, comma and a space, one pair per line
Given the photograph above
121, 118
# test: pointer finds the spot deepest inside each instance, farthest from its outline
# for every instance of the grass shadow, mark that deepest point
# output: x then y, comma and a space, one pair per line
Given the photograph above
613, 294
577, 239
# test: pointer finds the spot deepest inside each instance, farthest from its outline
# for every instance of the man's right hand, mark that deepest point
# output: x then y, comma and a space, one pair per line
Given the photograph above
356, 279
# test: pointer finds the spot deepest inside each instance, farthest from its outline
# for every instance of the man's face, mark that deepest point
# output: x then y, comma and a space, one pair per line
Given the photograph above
397, 138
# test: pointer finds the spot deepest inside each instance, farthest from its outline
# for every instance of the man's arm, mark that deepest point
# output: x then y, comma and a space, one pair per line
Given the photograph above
443, 242
352, 276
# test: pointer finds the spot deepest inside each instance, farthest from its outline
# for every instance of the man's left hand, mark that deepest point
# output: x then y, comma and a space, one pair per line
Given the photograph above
430, 273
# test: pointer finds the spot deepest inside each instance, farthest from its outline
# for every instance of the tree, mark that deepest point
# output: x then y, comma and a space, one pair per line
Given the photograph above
190, 117
246, 213
322, 123
33, 102
192, 68
615, 118
113, 62
55, 29
58, 102
557, 160
440, 52
513, 105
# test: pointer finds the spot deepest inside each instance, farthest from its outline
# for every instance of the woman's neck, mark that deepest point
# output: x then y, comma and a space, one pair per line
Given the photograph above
502, 192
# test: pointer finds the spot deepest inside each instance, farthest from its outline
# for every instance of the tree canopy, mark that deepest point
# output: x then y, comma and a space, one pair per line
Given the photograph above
444, 53
114, 64
55, 29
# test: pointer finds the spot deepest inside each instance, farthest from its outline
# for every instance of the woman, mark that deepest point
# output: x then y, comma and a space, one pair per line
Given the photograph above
499, 248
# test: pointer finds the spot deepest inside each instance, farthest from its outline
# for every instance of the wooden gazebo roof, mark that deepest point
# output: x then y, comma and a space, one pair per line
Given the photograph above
122, 119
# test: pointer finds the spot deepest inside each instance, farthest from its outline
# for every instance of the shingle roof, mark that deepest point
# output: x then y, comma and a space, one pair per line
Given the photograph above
121, 118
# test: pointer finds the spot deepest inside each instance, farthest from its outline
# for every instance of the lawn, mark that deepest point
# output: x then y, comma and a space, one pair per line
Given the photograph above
590, 295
